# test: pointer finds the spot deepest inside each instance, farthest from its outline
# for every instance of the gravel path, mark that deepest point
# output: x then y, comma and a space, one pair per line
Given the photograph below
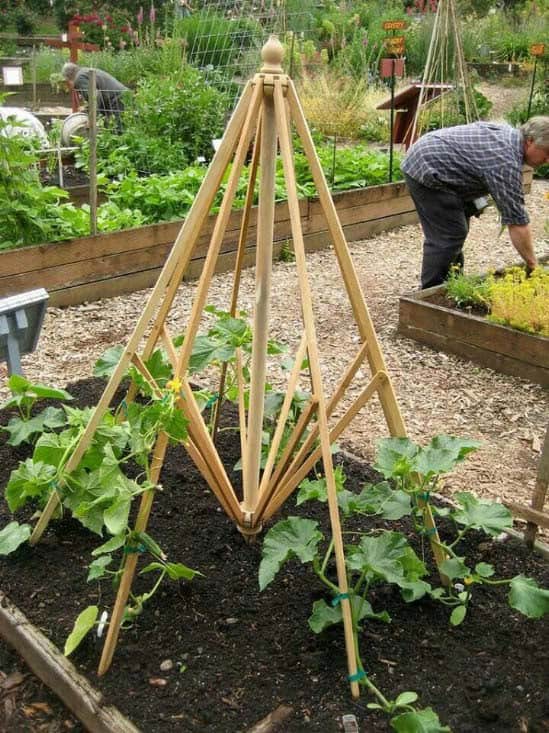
437, 393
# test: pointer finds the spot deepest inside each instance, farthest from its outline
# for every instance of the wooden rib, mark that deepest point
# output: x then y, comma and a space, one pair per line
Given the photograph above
282, 417
263, 270
168, 345
209, 477
166, 287
145, 373
540, 492
241, 407
206, 447
219, 231
350, 278
295, 474
304, 419
130, 562
239, 263
316, 377
347, 378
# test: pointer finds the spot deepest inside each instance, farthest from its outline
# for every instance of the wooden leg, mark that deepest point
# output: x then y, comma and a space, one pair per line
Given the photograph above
308, 318
130, 564
262, 303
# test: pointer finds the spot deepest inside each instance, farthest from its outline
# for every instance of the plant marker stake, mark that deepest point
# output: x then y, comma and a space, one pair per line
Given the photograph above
92, 122
532, 87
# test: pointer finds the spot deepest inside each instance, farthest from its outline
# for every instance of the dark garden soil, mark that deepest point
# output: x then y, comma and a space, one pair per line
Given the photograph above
72, 177
440, 298
238, 654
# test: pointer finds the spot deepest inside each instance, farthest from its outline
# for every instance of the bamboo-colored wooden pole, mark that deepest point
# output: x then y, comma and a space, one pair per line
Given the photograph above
298, 471
239, 263
308, 413
264, 255
219, 231
283, 417
130, 563
350, 278
316, 377
166, 287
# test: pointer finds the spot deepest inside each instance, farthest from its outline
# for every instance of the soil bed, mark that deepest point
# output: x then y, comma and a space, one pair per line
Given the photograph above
238, 654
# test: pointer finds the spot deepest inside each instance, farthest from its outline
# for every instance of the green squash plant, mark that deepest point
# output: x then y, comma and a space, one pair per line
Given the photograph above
377, 556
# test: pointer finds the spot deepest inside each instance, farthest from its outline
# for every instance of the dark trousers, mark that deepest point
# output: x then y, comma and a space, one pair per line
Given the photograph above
445, 227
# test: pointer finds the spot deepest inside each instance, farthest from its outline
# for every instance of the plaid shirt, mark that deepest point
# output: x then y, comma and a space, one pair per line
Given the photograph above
473, 160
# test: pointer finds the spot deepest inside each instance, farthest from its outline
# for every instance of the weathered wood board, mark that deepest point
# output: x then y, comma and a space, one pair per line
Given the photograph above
501, 348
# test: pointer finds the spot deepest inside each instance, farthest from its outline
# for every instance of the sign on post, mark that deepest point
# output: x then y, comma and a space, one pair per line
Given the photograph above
537, 49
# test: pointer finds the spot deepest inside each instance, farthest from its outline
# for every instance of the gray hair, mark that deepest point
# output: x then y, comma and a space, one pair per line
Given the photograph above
536, 129
70, 70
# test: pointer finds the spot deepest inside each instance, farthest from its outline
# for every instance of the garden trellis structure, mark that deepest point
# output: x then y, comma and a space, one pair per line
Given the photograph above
264, 114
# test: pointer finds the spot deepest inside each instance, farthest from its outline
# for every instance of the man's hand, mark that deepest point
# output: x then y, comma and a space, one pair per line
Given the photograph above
521, 237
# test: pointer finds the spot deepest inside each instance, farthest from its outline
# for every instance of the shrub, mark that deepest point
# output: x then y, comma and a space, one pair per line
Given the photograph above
24, 21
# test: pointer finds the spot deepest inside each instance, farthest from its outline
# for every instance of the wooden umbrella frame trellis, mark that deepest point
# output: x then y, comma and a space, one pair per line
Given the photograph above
264, 115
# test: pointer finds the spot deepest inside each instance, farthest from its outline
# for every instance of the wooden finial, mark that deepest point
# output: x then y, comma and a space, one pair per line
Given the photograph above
272, 54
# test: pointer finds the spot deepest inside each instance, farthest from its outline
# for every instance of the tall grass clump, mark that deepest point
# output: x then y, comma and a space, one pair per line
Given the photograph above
342, 106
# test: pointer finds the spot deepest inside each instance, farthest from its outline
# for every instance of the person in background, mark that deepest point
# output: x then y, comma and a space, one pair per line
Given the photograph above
109, 91
449, 172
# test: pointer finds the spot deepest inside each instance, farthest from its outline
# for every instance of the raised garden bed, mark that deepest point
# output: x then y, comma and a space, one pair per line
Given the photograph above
237, 654
428, 317
106, 265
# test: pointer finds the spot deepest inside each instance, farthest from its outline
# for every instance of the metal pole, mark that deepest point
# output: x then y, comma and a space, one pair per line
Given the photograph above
532, 87
391, 121
92, 122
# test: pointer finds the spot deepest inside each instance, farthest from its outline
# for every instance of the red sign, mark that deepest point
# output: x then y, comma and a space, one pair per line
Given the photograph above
537, 49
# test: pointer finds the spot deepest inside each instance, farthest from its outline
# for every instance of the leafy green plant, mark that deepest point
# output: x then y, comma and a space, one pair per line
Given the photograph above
98, 492
513, 298
467, 290
411, 474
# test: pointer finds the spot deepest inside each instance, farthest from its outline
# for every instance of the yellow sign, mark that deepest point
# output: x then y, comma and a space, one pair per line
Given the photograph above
395, 45
394, 25
537, 49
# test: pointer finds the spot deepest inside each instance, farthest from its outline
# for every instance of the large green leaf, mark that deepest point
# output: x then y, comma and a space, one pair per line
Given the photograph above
20, 385
13, 535
32, 479
455, 567
51, 447
380, 556
527, 597
114, 543
82, 626
292, 537
116, 516
395, 457
418, 721
317, 489
488, 516
108, 361
21, 431
379, 499
442, 455
325, 615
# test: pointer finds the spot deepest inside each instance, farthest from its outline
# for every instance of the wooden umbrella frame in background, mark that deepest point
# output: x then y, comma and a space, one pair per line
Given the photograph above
264, 115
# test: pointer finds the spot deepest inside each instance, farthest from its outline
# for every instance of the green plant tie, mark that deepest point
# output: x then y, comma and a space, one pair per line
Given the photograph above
337, 599
124, 407
429, 532
359, 675
213, 399
132, 549
425, 495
